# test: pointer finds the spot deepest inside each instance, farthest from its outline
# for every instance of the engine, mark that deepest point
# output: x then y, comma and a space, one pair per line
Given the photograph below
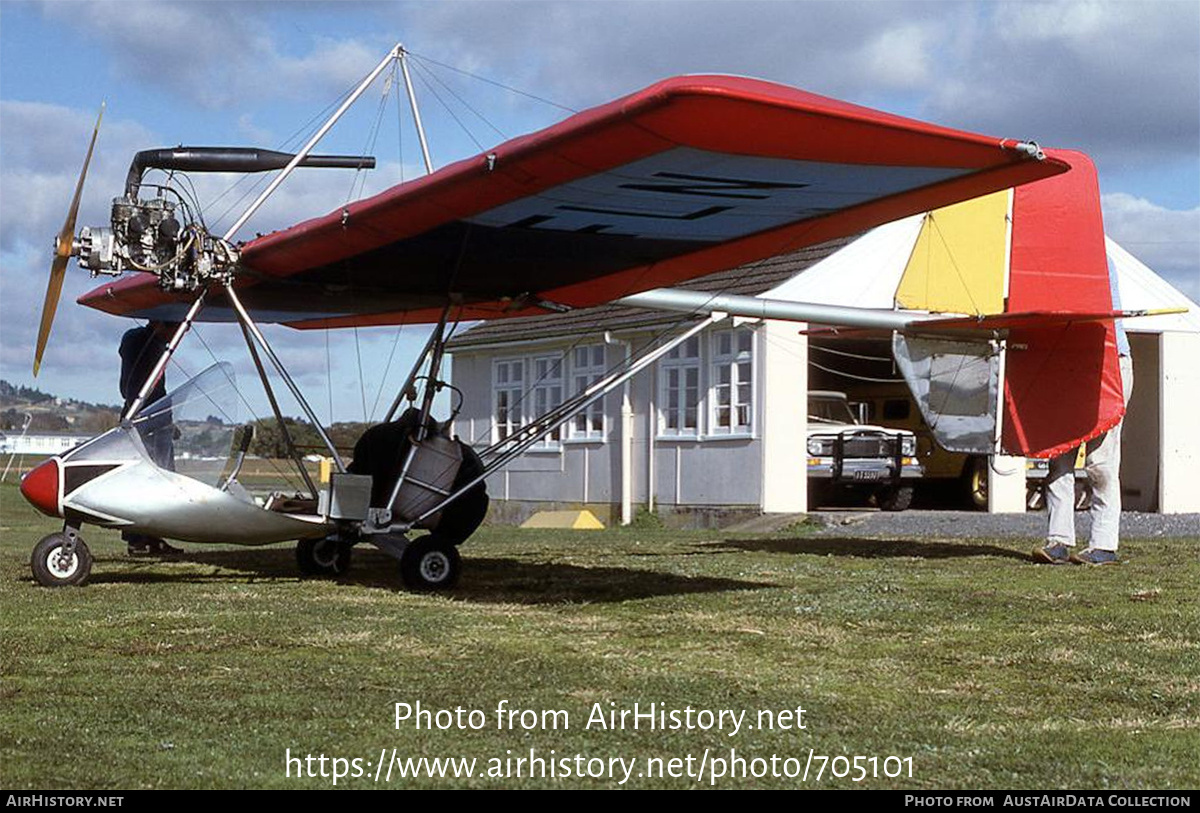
146, 235
163, 235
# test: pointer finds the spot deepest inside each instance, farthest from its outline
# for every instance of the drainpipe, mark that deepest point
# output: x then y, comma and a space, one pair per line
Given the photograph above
626, 434
651, 433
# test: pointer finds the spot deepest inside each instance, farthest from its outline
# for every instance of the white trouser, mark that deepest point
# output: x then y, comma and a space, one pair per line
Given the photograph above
1104, 472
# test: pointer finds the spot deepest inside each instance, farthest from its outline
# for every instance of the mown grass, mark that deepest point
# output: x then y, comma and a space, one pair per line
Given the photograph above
987, 670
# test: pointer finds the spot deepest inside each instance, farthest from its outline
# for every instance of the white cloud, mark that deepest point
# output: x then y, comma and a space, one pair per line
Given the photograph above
1168, 241
900, 57
214, 54
1118, 80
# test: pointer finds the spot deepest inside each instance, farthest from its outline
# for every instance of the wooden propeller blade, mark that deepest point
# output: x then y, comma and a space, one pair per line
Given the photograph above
62, 253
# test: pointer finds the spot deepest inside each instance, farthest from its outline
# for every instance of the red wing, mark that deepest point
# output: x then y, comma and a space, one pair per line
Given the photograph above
689, 176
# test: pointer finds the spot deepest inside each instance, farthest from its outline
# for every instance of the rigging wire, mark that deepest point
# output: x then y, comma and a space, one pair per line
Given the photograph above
460, 99
852, 377
362, 384
387, 369
329, 376
429, 86
493, 82
360, 173
846, 354
260, 179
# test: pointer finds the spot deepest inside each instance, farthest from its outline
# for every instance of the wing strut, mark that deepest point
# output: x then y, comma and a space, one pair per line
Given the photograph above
283, 430
312, 142
249, 324
161, 366
412, 101
498, 455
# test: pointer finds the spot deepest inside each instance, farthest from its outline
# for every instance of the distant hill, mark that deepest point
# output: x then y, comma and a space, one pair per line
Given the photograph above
50, 413
53, 414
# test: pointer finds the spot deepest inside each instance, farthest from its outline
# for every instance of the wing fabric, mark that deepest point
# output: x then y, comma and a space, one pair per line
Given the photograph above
689, 176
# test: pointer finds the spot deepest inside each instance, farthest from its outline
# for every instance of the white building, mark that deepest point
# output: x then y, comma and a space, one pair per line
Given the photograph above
37, 444
719, 425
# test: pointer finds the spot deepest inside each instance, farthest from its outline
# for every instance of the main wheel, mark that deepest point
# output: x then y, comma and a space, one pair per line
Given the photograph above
430, 564
975, 475
895, 498
323, 557
54, 567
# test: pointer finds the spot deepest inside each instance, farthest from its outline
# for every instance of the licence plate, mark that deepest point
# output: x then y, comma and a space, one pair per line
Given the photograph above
867, 475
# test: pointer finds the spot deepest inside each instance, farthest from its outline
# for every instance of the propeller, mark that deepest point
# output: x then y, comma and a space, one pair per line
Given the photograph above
62, 254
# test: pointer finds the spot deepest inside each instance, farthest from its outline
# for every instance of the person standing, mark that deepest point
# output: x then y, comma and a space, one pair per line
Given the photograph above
141, 348
1103, 467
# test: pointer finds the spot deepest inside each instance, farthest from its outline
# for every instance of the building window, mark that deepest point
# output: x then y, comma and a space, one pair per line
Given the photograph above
547, 387
587, 368
508, 378
732, 401
679, 411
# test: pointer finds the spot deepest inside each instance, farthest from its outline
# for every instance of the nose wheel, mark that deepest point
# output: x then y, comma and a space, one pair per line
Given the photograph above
61, 560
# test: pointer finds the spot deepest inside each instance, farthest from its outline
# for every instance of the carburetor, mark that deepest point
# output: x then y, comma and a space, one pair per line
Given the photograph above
145, 235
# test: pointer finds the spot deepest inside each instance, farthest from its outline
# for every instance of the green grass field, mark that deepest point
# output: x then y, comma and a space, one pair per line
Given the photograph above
988, 671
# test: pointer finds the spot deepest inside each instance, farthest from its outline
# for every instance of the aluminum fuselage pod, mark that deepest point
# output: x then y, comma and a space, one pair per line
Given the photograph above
111, 481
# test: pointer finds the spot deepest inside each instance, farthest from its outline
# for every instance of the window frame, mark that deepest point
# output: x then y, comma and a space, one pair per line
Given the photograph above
681, 365
591, 372
736, 360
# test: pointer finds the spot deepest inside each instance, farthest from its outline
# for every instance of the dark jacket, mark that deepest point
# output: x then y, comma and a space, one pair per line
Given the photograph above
141, 349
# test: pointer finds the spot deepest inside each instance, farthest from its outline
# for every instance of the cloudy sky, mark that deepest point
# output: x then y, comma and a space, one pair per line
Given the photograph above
1118, 80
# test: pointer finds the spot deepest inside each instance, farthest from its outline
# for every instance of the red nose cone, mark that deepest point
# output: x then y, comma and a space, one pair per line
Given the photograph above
40, 487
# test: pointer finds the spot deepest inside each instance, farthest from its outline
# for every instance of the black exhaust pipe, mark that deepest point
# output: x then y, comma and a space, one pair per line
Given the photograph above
229, 159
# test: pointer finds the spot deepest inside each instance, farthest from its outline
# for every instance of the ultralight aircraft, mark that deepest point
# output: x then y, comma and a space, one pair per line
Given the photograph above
691, 175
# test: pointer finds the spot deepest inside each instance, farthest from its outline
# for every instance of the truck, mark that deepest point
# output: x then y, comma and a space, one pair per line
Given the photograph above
961, 477
849, 459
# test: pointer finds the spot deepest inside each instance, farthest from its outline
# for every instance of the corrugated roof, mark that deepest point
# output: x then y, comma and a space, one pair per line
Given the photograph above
748, 280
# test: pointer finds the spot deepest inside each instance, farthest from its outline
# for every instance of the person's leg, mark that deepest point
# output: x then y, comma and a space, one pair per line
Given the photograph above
1060, 499
1104, 469
1104, 472
1060, 511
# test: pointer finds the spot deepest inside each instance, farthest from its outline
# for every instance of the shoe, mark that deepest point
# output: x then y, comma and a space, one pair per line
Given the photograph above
159, 547
1095, 556
151, 546
1053, 554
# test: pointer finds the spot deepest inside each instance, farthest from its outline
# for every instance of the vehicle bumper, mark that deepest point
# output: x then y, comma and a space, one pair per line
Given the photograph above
862, 470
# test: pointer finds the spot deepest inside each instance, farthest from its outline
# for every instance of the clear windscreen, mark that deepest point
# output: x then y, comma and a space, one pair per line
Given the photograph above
191, 429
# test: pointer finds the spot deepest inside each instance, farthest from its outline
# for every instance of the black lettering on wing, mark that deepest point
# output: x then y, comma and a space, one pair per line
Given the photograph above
711, 186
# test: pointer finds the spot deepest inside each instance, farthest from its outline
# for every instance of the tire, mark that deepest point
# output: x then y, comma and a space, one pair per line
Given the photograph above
49, 567
323, 557
895, 498
975, 477
1035, 498
819, 494
1083, 495
463, 517
430, 564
